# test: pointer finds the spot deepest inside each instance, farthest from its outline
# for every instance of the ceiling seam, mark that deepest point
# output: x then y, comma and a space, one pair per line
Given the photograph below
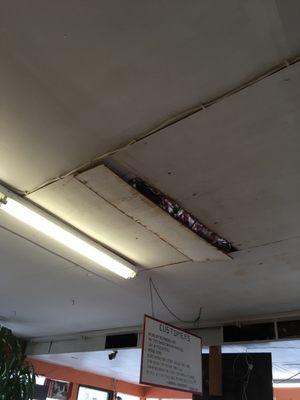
163, 125
167, 266
269, 243
132, 218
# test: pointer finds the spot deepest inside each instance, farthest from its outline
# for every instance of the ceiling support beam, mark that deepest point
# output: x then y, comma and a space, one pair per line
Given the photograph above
211, 334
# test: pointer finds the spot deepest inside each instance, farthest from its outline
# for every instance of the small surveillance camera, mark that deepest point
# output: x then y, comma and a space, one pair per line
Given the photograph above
113, 355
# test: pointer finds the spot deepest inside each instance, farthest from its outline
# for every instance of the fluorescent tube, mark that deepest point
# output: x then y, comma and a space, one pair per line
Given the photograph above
54, 231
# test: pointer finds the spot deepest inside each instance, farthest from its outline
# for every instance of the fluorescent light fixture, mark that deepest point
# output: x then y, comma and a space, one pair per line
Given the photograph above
54, 231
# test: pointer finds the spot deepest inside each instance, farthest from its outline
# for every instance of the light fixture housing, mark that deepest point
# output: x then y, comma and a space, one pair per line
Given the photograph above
95, 253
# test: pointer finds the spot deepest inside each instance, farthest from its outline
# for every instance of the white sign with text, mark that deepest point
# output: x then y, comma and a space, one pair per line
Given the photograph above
171, 357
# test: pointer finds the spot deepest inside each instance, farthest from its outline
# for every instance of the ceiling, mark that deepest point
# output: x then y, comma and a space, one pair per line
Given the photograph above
106, 208
79, 81
126, 366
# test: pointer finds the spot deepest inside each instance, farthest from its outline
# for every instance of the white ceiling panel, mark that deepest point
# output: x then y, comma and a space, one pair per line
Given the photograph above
78, 81
41, 292
289, 14
235, 166
43, 295
121, 195
38, 241
110, 211
92, 214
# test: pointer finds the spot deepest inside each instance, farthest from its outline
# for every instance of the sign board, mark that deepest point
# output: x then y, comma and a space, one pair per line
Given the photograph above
171, 357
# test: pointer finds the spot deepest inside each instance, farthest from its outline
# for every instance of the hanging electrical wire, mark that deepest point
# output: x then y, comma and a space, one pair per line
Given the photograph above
152, 286
245, 377
151, 297
288, 379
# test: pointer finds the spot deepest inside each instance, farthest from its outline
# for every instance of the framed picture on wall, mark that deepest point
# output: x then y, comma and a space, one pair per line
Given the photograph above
58, 390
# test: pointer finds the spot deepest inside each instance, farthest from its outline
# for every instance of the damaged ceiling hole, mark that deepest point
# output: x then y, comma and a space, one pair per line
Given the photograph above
180, 214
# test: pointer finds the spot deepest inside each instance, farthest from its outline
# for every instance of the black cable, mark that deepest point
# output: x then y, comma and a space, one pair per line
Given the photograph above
151, 283
247, 362
288, 379
244, 379
151, 297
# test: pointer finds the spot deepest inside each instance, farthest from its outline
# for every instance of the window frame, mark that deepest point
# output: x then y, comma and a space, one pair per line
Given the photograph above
110, 393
